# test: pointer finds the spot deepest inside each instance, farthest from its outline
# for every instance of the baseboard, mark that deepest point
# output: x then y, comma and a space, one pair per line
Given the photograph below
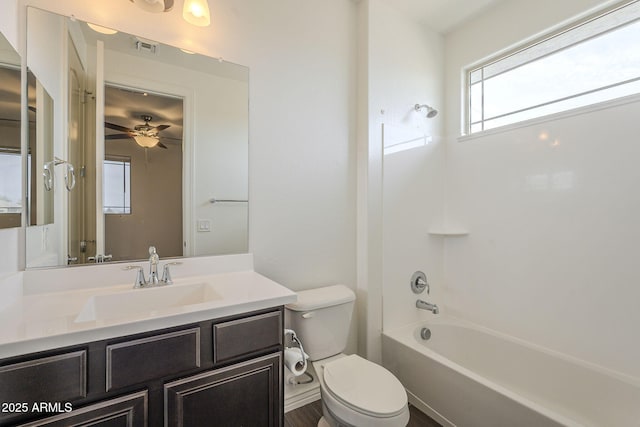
298, 401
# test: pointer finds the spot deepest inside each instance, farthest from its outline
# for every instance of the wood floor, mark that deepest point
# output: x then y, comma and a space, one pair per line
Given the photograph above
308, 416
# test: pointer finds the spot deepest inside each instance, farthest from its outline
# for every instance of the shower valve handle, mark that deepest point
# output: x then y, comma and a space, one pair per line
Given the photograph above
419, 282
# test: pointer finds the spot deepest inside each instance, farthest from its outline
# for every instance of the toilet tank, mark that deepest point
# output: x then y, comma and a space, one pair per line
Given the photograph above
322, 319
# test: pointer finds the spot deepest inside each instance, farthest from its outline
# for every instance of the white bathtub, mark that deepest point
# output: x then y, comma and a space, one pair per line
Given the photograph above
465, 375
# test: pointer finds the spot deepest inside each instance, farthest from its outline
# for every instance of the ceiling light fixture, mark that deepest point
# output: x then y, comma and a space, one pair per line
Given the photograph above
154, 5
146, 141
101, 29
196, 12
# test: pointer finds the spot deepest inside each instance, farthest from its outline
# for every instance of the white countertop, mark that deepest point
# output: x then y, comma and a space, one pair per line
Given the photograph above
34, 318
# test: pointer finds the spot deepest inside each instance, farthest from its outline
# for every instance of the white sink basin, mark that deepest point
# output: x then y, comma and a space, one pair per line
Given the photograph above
147, 301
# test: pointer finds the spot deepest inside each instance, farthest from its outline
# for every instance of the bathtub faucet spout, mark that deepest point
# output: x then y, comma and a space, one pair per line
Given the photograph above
427, 306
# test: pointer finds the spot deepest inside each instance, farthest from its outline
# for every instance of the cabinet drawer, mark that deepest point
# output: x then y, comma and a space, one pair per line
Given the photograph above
126, 411
144, 359
245, 336
59, 378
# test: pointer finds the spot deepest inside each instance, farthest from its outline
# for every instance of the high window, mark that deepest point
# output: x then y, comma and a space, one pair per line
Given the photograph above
592, 61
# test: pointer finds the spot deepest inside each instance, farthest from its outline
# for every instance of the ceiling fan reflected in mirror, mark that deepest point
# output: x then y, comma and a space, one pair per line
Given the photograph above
146, 135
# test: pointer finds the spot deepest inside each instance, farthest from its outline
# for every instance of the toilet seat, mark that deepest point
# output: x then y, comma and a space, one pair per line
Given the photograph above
365, 387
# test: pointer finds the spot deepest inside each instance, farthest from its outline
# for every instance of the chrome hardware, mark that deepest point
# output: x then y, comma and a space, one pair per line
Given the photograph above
166, 274
140, 282
419, 282
48, 176
99, 258
69, 176
72, 174
431, 112
423, 305
425, 333
213, 200
153, 280
72, 260
154, 258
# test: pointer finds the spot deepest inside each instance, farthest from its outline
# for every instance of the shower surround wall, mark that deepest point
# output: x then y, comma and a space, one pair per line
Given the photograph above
552, 208
406, 68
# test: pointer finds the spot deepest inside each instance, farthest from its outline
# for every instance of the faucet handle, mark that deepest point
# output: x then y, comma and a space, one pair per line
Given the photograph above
140, 282
166, 274
419, 282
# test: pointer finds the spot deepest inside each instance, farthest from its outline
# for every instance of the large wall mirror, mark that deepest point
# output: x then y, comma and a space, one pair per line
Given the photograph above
148, 145
10, 127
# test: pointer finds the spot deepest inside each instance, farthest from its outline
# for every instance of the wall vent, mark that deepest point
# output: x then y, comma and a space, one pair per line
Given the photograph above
147, 46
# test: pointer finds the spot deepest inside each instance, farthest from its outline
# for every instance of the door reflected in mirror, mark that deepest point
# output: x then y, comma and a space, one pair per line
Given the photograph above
10, 156
158, 142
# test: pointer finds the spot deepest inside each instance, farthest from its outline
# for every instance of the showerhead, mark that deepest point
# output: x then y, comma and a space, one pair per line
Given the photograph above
431, 112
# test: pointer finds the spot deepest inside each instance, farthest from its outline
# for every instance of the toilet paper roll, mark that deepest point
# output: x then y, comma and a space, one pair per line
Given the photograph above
294, 360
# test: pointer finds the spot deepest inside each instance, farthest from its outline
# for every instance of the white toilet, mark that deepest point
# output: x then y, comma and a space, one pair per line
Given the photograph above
355, 392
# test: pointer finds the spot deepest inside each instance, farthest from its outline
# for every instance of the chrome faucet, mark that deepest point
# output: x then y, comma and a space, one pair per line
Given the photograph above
423, 305
154, 259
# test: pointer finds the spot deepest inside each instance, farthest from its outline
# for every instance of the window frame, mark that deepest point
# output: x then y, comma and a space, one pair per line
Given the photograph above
122, 160
533, 41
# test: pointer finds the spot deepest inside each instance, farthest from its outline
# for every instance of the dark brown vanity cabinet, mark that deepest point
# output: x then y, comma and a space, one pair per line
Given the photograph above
220, 372
243, 394
126, 411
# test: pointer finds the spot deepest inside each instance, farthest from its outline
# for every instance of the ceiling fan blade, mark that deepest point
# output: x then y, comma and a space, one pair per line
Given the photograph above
118, 136
161, 145
162, 127
171, 138
117, 127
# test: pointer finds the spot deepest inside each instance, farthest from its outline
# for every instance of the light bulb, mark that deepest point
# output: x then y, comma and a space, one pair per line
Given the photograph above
196, 12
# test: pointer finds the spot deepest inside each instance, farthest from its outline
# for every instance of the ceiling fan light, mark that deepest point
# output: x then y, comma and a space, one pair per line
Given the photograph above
155, 6
196, 12
146, 141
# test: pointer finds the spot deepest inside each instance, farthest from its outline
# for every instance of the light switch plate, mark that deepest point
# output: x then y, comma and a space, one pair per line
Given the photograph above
204, 225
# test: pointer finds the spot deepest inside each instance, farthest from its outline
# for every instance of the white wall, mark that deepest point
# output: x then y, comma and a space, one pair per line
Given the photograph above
551, 255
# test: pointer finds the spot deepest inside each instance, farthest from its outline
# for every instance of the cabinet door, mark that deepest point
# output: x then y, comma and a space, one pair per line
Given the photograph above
246, 394
126, 411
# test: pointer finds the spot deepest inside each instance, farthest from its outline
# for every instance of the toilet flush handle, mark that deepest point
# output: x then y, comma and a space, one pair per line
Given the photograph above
308, 315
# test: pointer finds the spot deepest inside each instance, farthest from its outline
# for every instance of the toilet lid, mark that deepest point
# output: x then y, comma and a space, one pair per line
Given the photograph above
365, 386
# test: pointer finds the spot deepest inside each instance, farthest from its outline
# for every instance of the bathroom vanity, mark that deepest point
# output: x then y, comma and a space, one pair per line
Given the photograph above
211, 357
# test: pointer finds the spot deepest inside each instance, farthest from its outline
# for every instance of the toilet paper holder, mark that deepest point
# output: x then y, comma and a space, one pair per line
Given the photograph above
301, 364
295, 340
